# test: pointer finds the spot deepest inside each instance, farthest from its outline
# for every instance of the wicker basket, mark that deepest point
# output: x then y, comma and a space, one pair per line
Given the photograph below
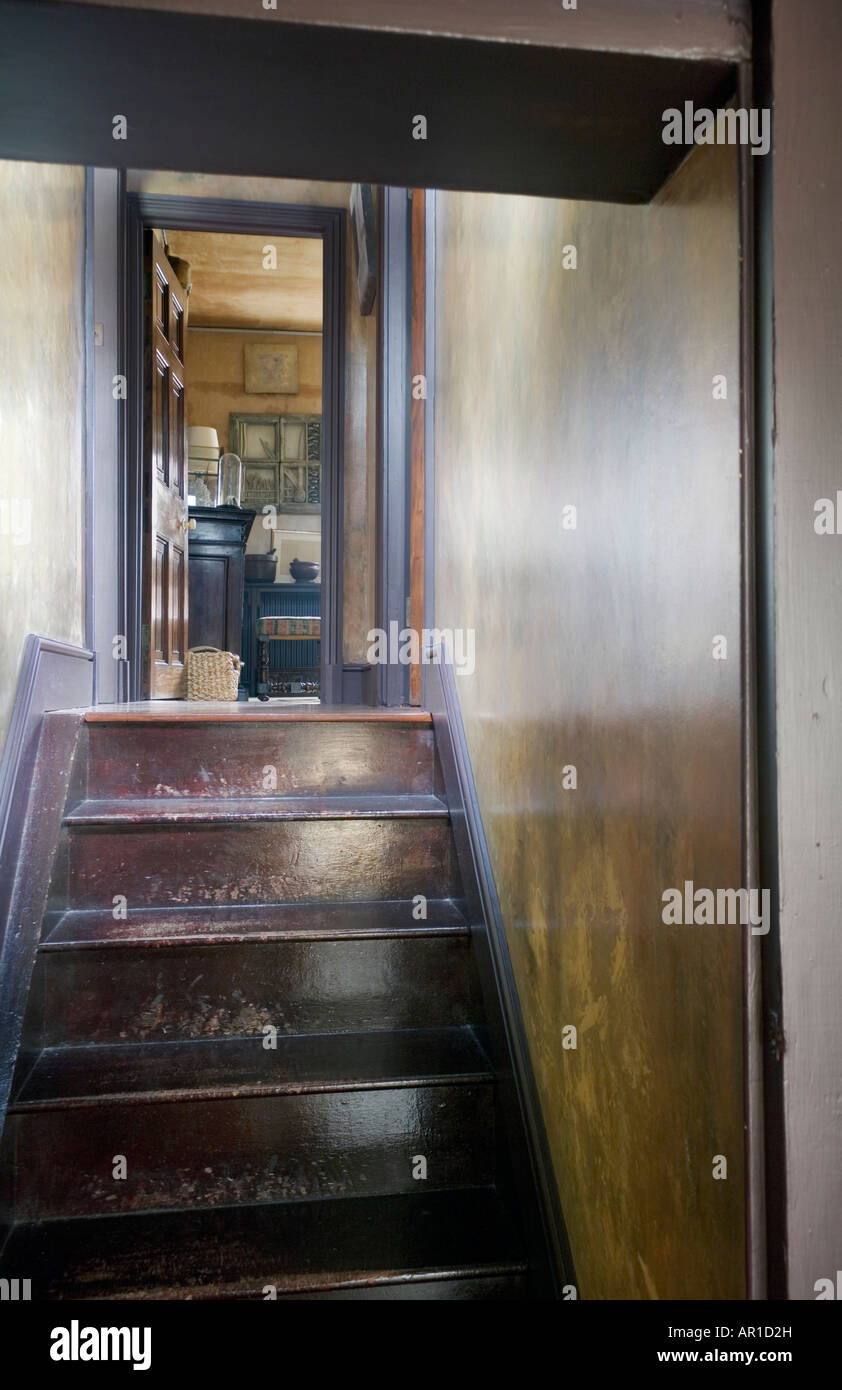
212, 674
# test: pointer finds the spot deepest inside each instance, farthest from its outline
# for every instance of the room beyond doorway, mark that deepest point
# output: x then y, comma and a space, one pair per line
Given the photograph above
260, 328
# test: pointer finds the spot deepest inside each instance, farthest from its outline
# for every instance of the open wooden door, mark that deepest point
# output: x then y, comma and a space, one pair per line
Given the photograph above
164, 629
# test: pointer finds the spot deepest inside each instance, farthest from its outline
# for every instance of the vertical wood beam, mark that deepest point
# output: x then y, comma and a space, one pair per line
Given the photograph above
417, 430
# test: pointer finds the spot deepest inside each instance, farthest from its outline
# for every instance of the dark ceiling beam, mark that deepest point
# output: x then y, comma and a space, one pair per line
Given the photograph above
210, 95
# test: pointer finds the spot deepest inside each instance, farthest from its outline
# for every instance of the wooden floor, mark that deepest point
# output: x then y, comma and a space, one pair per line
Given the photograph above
240, 711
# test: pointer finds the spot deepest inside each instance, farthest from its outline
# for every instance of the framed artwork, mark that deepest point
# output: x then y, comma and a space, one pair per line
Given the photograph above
270, 370
314, 437
293, 438
260, 485
255, 438
295, 545
301, 487
300, 474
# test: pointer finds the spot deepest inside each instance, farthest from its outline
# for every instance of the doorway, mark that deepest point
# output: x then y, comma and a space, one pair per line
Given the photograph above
225, 260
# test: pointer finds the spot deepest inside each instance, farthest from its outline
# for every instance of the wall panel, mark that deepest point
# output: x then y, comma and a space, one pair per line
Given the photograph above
42, 567
593, 388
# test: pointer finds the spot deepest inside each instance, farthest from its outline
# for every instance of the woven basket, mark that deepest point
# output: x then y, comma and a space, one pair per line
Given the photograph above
212, 674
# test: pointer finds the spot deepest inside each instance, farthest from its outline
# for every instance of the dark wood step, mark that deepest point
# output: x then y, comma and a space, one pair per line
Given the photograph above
296, 1144
168, 712
174, 810
296, 985
218, 1068
256, 758
306, 1249
258, 861
230, 925
474, 1288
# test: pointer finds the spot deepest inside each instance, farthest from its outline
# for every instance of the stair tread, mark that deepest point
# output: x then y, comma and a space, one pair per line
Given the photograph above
213, 1068
299, 1246
226, 810
231, 924
218, 712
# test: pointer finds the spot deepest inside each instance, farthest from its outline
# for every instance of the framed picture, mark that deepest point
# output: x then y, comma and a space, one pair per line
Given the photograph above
260, 485
300, 473
295, 545
314, 437
255, 438
301, 487
293, 438
270, 370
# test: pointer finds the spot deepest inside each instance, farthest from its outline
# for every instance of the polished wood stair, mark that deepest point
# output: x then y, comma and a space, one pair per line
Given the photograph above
234, 991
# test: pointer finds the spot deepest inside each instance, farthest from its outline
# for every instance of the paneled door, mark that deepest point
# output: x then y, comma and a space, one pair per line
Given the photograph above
164, 631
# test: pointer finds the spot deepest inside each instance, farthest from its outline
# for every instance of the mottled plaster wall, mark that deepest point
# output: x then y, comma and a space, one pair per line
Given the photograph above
360, 380
593, 388
42, 579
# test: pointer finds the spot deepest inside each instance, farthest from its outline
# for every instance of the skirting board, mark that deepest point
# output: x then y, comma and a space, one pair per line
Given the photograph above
533, 1177
34, 776
358, 683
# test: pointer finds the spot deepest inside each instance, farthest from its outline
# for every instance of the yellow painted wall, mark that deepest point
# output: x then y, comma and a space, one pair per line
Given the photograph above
592, 387
215, 379
215, 389
41, 411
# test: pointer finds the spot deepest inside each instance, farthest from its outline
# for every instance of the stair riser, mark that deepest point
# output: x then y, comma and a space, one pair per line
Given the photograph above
268, 1149
226, 760
94, 996
288, 861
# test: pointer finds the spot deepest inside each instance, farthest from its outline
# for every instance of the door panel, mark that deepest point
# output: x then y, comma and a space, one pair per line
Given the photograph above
165, 479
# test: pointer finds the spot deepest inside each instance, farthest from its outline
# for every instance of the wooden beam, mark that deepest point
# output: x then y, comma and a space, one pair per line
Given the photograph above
417, 433
396, 109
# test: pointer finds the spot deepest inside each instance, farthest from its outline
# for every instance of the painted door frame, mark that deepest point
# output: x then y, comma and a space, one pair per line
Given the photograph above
393, 396
230, 216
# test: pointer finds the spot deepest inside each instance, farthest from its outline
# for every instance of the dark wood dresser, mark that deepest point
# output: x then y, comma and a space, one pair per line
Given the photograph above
216, 574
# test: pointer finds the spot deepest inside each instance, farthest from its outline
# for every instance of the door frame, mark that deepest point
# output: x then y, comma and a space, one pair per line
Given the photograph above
234, 216
391, 519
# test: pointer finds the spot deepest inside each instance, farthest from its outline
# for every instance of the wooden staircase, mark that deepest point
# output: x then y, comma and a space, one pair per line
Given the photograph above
251, 1066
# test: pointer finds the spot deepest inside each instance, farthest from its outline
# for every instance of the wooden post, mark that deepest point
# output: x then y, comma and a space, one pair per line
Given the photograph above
417, 439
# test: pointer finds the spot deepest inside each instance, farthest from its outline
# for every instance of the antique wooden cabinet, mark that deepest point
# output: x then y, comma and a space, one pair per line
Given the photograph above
216, 559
